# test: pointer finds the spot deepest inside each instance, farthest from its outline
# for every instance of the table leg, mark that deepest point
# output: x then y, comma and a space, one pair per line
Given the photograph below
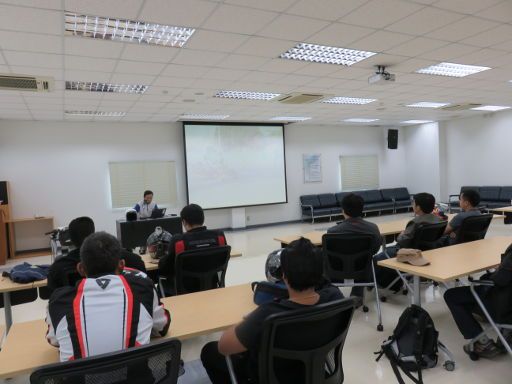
416, 297
8, 311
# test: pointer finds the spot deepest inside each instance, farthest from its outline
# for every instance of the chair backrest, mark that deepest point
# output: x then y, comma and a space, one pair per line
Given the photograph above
305, 346
312, 200
201, 269
153, 363
427, 235
347, 256
473, 228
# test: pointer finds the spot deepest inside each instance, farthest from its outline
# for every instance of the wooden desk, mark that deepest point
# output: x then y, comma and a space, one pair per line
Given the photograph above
453, 262
503, 209
195, 314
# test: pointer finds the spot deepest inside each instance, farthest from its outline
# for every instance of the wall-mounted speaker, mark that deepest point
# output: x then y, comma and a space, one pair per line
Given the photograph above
392, 138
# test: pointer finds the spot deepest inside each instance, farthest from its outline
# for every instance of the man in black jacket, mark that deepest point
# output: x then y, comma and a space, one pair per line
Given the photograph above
63, 271
462, 305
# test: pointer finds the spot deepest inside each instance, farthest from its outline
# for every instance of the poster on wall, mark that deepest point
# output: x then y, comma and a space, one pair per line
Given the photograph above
312, 164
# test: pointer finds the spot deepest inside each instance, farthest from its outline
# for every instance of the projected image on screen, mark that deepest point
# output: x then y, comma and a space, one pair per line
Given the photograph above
235, 165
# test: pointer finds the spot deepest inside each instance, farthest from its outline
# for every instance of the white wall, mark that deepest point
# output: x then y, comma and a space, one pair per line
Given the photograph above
61, 168
422, 173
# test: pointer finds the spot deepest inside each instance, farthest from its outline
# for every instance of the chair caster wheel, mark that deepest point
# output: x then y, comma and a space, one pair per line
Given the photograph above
473, 356
365, 308
383, 299
449, 365
380, 328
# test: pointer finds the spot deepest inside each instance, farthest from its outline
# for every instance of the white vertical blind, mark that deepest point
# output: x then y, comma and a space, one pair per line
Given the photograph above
359, 172
129, 180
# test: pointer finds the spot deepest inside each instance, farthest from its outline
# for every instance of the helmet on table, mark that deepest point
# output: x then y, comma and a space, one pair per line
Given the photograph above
158, 243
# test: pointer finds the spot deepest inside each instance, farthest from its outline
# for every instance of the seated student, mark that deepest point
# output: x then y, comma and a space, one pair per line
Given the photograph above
79, 229
352, 205
468, 202
197, 236
463, 305
302, 267
90, 319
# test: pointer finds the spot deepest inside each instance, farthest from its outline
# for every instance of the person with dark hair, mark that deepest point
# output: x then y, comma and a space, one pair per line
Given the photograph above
196, 235
146, 206
352, 206
468, 202
302, 268
107, 311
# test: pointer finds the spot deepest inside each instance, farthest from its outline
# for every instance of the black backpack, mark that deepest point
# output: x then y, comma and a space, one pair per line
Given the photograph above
413, 345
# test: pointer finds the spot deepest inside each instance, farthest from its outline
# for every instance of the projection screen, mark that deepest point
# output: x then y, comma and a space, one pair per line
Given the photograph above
234, 165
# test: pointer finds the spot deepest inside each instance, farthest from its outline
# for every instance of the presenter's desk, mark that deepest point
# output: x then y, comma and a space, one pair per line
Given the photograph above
195, 314
133, 234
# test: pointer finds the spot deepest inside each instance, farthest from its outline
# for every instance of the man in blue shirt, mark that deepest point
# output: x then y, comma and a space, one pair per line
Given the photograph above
145, 207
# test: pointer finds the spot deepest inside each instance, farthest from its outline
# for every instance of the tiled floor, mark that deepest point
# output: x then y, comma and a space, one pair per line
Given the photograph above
363, 339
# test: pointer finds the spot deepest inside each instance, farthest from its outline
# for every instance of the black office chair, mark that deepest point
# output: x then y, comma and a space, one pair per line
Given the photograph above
304, 346
157, 362
348, 262
427, 236
473, 228
72, 277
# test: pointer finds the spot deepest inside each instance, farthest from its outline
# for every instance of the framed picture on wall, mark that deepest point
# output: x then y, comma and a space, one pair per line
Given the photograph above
312, 166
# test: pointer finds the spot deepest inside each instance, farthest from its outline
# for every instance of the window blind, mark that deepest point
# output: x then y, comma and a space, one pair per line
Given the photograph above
359, 172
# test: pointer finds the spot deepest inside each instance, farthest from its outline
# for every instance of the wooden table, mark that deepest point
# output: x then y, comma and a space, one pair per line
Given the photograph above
195, 314
453, 262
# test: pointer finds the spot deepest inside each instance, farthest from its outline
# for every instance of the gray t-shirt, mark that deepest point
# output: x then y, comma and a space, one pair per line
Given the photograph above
456, 222
356, 225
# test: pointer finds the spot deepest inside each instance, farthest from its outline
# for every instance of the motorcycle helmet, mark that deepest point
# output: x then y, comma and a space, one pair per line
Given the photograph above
273, 266
131, 215
158, 243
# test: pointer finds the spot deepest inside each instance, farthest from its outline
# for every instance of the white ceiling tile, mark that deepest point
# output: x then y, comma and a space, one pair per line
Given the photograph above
192, 71
316, 69
262, 77
449, 52
494, 36
87, 63
235, 19
216, 41
123, 78
340, 35
175, 82
289, 27
193, 57
41, 60
243, 62
92, 47
465, 6
190, 13
269, 5
30, 20
412, 65
151, 53
57, 74
483, 57
417, 47
462, 29
81, 75
424, 21
139, 67
46, 4
31, 42
262, 46
325, 9
499, 12
283, 65
111, 8
224, 74
380, 13
380, 41
211, 84
295, 79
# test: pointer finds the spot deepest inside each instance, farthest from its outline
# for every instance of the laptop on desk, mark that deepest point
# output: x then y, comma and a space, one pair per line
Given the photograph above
158, 213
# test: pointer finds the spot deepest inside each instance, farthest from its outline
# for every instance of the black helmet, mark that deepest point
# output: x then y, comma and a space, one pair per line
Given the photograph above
158, 243
131, 215
273, 266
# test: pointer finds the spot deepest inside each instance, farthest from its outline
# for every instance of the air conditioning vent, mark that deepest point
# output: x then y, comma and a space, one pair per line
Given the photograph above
301, 98
26, 83
461, 107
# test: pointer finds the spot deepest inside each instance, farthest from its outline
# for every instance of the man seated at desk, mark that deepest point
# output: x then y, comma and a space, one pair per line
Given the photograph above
90, 318
468, 202
145, 207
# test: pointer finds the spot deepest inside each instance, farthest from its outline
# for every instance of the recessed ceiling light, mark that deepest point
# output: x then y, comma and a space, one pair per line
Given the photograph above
417, 121
247, 95
360, 120
427, 104
95, 113
291, 118
204, 117
348, 100
491, 108
127, 31
105, 87
325, 54
452, 69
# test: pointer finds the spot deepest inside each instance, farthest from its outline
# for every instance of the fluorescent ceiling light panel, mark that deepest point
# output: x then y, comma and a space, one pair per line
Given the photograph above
427, 104
360, 120
417, 121
325, 54
95, 113
105, 87
491, 108
247, 95
452, 69
204, 117
127, 31
291, 118
348, 100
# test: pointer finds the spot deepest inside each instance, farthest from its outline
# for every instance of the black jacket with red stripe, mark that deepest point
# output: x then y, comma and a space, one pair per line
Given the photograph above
103, 314
196, 238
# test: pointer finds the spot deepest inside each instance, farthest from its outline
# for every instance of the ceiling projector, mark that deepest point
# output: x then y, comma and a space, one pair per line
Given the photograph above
381, 76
